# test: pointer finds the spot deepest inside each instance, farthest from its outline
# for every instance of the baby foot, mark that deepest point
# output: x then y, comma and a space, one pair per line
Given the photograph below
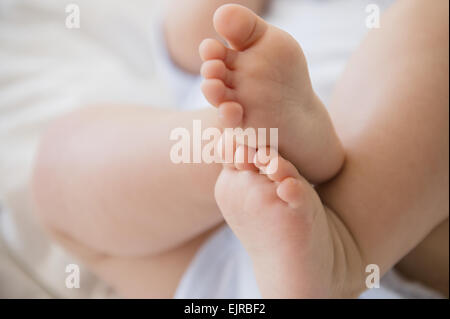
295, 243
262, 81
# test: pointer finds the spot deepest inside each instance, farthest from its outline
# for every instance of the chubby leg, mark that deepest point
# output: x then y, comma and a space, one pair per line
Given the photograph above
393, 190
146, 276
104, 176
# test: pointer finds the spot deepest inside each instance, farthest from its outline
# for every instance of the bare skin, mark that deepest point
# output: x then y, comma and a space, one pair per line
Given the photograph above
189, 22
263, 82
108, 203
249, 212
295, 242
397, 142
299, 247
428, 262
373, 171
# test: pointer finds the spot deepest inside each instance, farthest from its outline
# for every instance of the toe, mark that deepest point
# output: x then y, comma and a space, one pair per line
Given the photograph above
227, 148
243, 158
290, 191
279, 169
239, 26
263, 157
213, 69
230, 114
216, 92
216, 69
212, 49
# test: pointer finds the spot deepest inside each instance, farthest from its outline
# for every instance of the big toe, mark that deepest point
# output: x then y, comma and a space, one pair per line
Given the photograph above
239, 26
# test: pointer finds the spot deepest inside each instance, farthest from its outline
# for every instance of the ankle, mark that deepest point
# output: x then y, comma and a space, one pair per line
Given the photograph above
349, 266
317, 151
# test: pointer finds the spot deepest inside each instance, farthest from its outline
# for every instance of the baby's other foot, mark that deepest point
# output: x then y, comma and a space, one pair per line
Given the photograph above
292, 239
262, 81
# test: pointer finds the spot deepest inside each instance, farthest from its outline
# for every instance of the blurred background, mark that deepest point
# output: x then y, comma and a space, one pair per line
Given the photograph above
48, 69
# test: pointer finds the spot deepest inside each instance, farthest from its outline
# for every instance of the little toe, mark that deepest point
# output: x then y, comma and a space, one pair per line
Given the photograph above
279, 169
